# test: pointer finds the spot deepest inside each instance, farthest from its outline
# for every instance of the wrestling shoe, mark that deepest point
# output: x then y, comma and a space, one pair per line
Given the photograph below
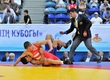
68, 62
68, 44
99, 60
59, 47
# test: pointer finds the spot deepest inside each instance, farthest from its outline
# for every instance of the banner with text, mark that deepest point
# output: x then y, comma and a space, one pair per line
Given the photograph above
12, 37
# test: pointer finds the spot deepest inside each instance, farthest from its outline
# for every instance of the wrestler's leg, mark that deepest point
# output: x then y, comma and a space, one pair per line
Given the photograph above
51, 61
59, 44
56, 42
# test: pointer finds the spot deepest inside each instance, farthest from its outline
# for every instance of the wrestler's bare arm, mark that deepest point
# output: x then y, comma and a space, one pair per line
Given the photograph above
38, 62
42, 55
19, 58
25, 53
40, 43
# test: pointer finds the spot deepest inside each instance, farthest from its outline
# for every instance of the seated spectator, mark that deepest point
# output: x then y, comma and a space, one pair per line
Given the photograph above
93, 3
18, 2
8, 19
15, 7
109, 56
78, 1
6, 1
104, 5
6, 57
46, 19
106, 14
65, 57
102, 55
82, 7
87, 58
107, 22
27, 18
11, 57
60, 3
101, 12
2, 6
96, 19
72, 4
11, 12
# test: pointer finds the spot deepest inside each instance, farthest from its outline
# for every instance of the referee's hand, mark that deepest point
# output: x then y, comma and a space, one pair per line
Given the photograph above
61, 32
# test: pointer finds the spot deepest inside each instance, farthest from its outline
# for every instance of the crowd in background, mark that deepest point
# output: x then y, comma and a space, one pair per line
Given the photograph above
10, 57
10, 11
98, 11
88, 58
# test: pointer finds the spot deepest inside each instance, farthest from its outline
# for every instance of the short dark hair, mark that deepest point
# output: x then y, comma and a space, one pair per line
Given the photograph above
46, 19
72, 0
73, 10
107, 8
26, 11
24, 61
8, 11
26, 44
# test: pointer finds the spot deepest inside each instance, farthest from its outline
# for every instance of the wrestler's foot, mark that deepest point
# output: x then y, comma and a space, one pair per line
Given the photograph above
68, 44
99, 60
59, 47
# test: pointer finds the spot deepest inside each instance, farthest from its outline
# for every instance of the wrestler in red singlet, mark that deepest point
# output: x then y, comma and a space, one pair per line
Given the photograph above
47, 55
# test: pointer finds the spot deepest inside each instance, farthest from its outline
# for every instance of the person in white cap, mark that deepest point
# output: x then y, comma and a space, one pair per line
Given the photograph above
96, 19
11, 57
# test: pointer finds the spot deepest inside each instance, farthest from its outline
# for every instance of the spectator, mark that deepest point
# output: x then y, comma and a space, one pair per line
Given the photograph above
87, 58
106, 14
96, 19
82, 7
102, 55
60, 3
72, 4
15, 7
107, 22
104, 5
6, 57
8, 19
86, 1
101, 12
2, 6
11, 12
6, 1
65, 57
18, 2
27, 18
109, 56
11, 57
94, 3
46, 19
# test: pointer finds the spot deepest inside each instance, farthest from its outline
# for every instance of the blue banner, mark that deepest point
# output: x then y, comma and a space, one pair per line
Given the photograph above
12, 37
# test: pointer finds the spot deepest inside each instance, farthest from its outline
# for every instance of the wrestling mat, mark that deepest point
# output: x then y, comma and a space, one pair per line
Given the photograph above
77, 71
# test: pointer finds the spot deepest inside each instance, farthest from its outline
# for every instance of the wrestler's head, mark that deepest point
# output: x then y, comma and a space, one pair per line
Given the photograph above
28, 46
26, 59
